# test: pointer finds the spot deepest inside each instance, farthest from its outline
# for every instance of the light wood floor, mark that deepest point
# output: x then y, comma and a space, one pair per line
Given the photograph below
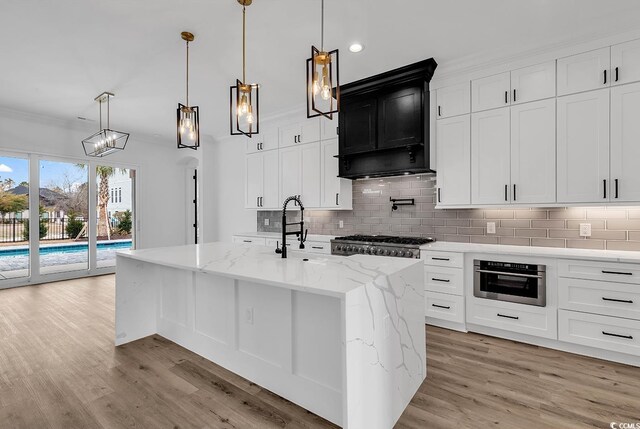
59, 369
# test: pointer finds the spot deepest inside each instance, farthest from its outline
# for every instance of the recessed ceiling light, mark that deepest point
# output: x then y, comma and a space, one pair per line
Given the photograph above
356, 47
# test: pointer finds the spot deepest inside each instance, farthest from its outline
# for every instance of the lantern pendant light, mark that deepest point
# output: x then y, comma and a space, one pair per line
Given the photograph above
323, 79
244, 113
106, 141
188, 117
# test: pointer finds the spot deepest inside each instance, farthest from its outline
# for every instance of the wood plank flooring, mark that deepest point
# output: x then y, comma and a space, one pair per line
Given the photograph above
59, 369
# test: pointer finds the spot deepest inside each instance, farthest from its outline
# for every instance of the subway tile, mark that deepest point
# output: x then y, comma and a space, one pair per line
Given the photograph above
423, 229
633, 236
531, 214
423, 214
531, 232
569, 213
470, 213
471, 231
555, 224
498, 214
457, 238
623, 224
411, 221
606, 214
514, 241
446, 229
483, 239
610, 234
372, 220
586, 244
634, 213
362, 228
446, 214
379, 229
623, 245
564, 233
515, 223
595, 223
401, 228
433, 222
482, 223
505, 232
548, 242
458, 222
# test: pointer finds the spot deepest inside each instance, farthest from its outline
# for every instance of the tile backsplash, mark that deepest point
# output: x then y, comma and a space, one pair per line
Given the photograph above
614, 228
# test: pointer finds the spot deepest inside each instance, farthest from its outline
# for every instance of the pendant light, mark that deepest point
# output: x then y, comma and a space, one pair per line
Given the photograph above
323, 76
244, 113
106, 141
188, 117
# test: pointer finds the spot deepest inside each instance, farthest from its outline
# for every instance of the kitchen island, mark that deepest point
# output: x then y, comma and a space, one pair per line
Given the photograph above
340, 336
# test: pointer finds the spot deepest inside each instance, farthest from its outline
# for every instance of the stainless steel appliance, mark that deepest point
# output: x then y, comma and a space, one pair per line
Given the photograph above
509, 281
382, 245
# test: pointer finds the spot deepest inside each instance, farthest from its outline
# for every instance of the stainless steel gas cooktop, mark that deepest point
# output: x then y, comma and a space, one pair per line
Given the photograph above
382, 245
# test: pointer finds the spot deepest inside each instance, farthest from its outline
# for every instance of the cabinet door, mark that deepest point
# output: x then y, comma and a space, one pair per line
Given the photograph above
290, 135
454, 160
625, 62
310, 186
453, 100
253, 180
270, 191
625, 143
400, 118
490, 157
533, 152
357, 126
252, 145
289, 166
490, 92
330, 179
269, 139
533, 83
329, 127
584, 72
583, 147
310, 131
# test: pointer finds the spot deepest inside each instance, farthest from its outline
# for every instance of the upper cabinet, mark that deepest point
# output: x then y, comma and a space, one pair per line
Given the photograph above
625, 62
518, 86
336, 192
490, 92
266, 140
400, 117
261, 180
454, 161
584, 72
625, 143
300, 133
329, 128
453, 100
358, 125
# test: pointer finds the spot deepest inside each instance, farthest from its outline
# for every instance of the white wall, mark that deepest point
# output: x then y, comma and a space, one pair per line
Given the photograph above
223, 190
161, 212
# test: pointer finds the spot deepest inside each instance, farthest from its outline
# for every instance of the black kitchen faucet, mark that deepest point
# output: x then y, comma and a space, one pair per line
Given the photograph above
301, 234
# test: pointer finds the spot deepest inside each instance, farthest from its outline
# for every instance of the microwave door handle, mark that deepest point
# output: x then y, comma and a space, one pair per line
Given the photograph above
529, 276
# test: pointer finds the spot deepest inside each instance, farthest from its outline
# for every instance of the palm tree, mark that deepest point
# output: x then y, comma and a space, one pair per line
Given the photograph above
104, 173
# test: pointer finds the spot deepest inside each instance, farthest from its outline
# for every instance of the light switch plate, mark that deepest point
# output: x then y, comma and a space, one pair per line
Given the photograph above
491, 227
585, 230
341, 224
266, 222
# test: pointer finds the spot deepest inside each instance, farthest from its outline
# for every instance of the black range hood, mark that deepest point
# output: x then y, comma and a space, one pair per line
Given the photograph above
384, 123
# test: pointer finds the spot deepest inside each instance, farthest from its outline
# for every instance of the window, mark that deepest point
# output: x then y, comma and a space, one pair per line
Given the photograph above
119, 195
112, 195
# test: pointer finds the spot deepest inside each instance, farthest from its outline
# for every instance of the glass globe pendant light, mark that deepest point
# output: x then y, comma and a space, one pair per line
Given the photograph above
244, 113
188, 117
106, 141
323, 75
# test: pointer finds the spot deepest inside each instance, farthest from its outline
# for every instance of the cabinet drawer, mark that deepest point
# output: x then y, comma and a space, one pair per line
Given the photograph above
604, 332
256, 241
444, 307
607, 298
524, 319
443, 259
605, 271
444, 280
318, 247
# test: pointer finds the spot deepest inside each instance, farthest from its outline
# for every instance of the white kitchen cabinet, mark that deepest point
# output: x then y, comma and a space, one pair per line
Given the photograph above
453, 100
490, 157
336, 192
300, 173
625, 62
490, 92
533, 152
261, 180
266, 140
253, 241
300, 133
533, 83
584, 72
583, 147
328, 127
454, 160
625, 143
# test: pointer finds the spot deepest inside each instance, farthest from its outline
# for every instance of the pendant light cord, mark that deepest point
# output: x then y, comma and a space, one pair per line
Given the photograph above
244, 49
322, 26
108, 111
100, 104
187, 73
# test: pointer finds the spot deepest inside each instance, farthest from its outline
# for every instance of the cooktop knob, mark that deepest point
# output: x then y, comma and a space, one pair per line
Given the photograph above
361, 250
393, 253
347, 248
409, 254
401, 253
386, 252
380, 251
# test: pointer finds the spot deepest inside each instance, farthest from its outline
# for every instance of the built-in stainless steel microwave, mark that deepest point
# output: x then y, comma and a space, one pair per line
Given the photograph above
508, 281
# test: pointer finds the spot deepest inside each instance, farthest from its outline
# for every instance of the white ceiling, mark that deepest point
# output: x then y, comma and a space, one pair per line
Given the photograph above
56, 56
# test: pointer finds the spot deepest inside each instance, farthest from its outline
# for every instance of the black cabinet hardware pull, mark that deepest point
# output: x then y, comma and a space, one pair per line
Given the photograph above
506, 190
247, 241
261, 201
299, 138
337, 199
440, 280
605, 77
514, 192
621, 273
506, 97
317, 247
438, 194
508, 317
258, 201
514, 95
628, 337
257, 146
615, 181
440, 259
616, 74
605, 188
439, 111
626, 301
446, 307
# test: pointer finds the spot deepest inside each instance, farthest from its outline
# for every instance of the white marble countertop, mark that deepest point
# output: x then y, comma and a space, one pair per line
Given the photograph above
321, 274
550, 252
278, 235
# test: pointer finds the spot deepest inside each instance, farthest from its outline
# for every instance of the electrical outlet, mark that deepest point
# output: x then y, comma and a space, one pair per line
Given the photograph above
585, 230
266, 222
248, 315
491, 227
341, 224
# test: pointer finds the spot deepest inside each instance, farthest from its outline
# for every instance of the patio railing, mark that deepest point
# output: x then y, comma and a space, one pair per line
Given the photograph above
13, 230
